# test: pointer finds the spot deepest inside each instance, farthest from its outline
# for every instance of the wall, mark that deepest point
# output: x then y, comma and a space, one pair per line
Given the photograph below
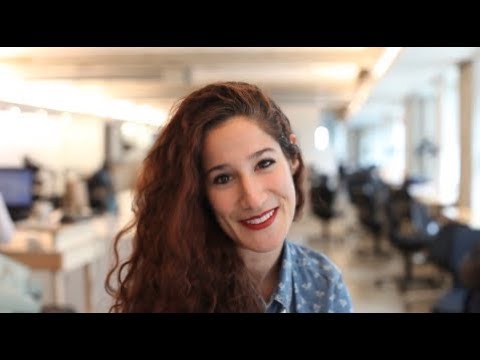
305, 118
57, 142
383, 145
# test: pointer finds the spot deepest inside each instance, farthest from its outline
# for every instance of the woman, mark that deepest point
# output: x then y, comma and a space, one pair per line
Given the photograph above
213, 205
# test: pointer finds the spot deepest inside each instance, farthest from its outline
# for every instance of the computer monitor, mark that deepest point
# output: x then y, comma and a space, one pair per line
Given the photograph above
16, 186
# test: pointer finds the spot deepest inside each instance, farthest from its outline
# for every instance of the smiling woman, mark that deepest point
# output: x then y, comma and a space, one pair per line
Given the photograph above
213, 205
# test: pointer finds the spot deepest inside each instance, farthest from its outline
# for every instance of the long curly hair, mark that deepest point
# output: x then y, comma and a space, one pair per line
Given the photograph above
181, 260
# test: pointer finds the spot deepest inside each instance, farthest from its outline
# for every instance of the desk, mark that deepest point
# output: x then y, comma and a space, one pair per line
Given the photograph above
462, 215
434, 203
63, 248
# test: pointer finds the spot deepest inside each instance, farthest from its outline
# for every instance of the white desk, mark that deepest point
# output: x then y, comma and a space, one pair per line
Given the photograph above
61, 249
462, 215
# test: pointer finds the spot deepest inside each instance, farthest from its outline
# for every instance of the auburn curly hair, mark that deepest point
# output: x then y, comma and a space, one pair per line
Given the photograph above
181, 260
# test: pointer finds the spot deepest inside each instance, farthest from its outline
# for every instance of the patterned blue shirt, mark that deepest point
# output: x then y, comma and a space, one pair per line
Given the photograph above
309, 283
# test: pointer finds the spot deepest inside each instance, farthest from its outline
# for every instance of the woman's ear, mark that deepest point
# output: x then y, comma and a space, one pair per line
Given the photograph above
294, 163
293, 138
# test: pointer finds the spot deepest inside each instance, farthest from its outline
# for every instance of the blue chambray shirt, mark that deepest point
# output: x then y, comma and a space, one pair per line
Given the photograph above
309, 283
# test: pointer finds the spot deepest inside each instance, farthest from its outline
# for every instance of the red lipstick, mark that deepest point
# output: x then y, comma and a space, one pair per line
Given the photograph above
254, 224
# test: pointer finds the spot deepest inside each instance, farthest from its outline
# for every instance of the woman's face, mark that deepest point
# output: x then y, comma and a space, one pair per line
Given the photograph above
249, 184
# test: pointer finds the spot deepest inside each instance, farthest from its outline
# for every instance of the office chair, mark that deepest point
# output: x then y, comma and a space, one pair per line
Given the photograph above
449, 253
322, 198
371, 205
411, 231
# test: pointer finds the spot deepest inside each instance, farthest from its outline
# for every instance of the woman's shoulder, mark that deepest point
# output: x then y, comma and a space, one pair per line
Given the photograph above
318, 282
312, 261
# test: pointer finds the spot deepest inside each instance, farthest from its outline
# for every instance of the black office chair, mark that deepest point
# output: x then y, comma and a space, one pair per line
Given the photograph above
371, 210
473, 301
411, 231
449, 253
470, 277
322, 197
367, 193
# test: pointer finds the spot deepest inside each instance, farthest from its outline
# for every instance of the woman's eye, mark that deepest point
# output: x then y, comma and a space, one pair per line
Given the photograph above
265, 163
221, 179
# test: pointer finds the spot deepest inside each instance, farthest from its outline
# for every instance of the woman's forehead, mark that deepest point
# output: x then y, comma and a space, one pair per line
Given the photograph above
238, 137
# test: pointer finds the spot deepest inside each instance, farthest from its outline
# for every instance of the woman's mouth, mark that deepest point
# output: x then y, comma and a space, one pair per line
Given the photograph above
261, 221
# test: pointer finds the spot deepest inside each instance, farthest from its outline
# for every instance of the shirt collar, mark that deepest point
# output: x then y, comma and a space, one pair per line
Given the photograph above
285, 285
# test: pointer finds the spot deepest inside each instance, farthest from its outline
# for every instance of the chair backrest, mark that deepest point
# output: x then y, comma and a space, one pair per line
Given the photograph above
441, 249
451, 246
322, 198
473, 302
466, 240
470, 277
397, 210
422, 221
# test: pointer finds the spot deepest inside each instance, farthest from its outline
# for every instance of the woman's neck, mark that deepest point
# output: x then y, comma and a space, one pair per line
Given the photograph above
264, 268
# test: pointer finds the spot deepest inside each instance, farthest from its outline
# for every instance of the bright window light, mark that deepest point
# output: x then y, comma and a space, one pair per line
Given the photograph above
322, 138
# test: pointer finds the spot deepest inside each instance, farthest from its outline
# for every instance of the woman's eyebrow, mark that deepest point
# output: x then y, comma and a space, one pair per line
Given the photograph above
259, 153
255, 155
218, 167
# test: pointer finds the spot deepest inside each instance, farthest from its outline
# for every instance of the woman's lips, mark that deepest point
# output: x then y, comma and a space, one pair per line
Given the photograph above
261, 221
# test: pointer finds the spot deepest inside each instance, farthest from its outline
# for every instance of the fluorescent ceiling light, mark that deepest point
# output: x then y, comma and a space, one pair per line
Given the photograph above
385, 61
6, 52
7, 73
344, 71
269, 73
63, 96
366, 85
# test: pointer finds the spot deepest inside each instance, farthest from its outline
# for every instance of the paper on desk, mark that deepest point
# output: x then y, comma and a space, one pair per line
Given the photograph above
7, 227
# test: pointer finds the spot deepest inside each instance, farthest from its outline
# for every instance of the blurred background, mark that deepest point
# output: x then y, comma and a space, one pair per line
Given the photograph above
388, 135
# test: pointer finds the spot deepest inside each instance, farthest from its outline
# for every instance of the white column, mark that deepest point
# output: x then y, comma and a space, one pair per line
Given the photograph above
413, 133
448, 176
475, 142
430, 133
340, 141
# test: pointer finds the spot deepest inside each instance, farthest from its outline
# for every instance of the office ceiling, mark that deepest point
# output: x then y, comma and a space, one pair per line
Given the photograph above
328, 77
414, 72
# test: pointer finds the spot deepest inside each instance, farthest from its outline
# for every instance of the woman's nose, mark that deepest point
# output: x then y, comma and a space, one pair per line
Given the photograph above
253, 195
